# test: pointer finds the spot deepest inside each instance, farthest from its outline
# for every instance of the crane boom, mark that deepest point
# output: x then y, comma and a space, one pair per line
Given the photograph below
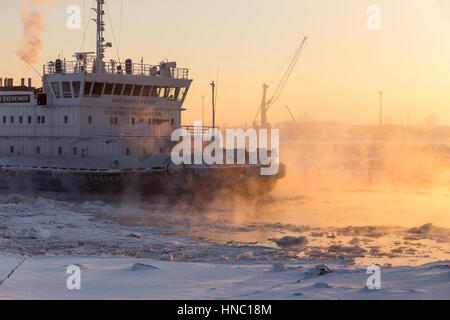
267, 104
292, 116
286, 75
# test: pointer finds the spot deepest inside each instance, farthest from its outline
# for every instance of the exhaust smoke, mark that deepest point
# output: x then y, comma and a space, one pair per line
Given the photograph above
33, 21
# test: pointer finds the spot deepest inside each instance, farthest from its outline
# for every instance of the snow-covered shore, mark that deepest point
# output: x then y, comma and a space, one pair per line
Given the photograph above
45, 277
142, 251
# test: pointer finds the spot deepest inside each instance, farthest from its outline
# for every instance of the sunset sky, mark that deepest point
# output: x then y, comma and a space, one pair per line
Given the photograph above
337, 78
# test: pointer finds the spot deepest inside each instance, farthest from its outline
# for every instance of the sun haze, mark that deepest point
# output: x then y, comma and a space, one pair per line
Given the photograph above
244, 44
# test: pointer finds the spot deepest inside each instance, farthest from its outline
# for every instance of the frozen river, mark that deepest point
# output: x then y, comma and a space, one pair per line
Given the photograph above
363, 203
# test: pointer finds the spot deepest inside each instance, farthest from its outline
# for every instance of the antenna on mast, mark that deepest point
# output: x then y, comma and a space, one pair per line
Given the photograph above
213, 86
99, 64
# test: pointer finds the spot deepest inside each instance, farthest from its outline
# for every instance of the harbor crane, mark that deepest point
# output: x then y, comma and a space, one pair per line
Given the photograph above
290, 113
267, 104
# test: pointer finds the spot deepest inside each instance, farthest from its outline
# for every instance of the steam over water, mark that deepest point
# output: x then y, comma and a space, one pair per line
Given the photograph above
377, 196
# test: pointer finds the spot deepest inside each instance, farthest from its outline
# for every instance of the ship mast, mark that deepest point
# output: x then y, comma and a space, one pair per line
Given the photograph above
99, 64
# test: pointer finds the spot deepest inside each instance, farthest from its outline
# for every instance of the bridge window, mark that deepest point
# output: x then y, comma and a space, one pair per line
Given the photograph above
127, 151
29, 119
172, 94
111, 120
146, 91
98, 89
149, 121
76, 88
127, 90
90, 119
66, 119
67, 92
75, 151
181, 94
11, 149
21, 119
39, 119
59, 150
137, 91
155, 91
4, 119
133, 120
172, 121
87, 89
56, 89
12, 119
43, 119
38, 150
118, 89
108, 89
164, 92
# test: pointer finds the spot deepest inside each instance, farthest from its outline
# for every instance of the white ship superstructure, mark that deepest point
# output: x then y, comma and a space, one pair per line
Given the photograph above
92, 121
93, 109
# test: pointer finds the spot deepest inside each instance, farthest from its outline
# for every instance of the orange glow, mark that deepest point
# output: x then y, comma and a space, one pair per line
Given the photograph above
337, 77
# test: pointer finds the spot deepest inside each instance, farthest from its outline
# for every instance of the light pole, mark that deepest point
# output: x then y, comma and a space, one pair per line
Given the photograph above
213, 87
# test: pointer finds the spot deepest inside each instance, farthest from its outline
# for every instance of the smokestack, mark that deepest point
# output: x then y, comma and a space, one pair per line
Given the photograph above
22, 82
29, 82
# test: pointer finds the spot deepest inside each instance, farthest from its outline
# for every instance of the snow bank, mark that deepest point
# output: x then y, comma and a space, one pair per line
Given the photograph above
128, 278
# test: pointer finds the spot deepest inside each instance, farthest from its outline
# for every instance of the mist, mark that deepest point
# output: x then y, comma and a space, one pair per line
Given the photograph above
360, 175
342, 175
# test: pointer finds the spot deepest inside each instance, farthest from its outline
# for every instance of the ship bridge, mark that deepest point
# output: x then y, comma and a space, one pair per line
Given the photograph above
68, 82
83, 66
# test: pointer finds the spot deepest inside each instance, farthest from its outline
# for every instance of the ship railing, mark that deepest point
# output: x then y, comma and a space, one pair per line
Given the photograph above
112, 68
193, 130
180, 73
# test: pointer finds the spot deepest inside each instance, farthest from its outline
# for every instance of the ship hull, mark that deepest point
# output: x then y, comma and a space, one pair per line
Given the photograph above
240, 180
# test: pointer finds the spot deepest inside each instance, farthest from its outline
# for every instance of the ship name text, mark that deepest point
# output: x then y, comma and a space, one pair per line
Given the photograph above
23, 98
